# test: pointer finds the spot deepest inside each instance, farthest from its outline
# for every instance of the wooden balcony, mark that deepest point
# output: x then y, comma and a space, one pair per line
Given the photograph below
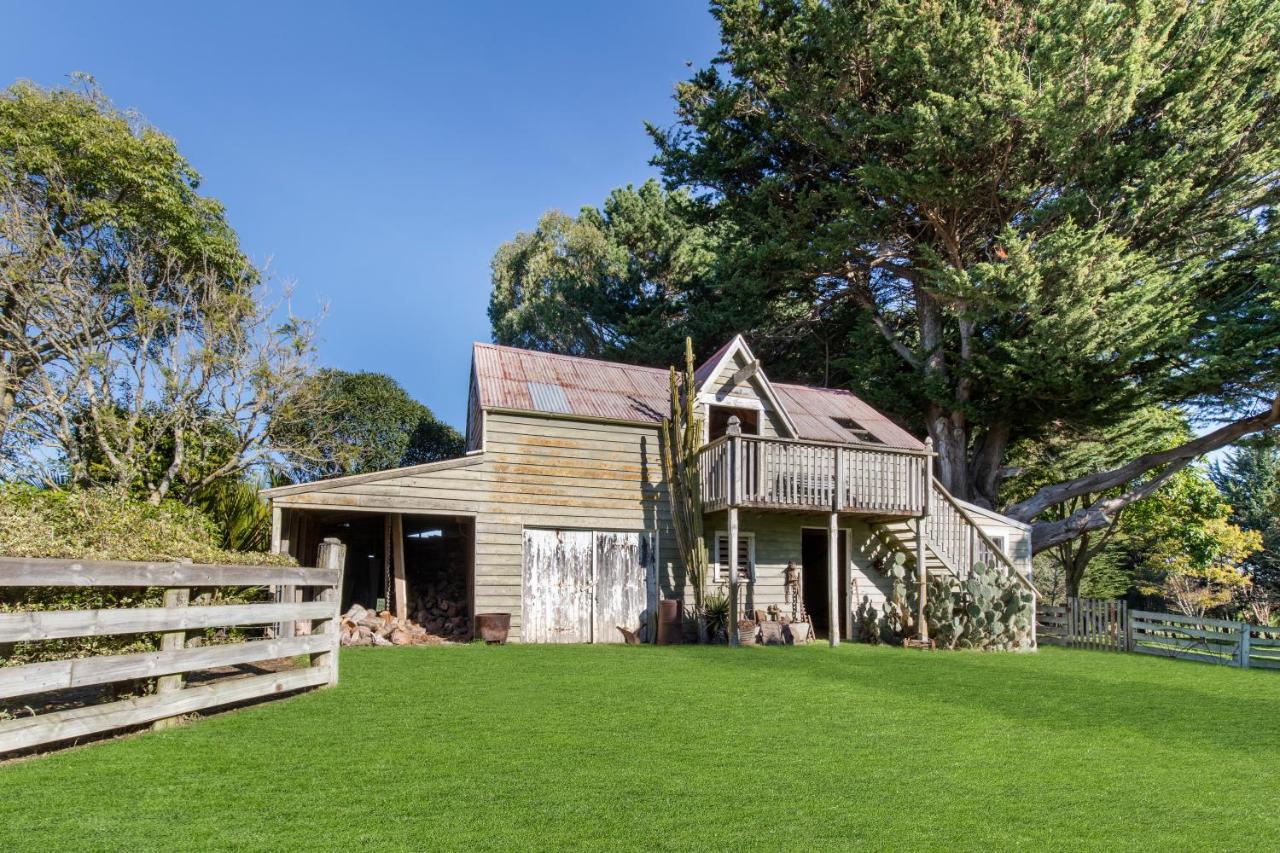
780, 474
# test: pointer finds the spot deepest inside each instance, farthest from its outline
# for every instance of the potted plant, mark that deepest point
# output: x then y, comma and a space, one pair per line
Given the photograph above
715, 611
747, 630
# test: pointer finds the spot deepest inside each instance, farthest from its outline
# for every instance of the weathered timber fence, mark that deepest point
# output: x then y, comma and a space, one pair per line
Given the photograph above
173, 697
1094, 623
1084, 623
1199, 638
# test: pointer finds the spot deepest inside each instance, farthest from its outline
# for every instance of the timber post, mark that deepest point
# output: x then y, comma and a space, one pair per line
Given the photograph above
928, 476
922, 572
400, 597
332, 554
833, 579
734, 431
172, 641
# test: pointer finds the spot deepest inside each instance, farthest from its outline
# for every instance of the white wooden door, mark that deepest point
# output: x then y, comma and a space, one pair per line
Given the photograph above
626, 568
557, 586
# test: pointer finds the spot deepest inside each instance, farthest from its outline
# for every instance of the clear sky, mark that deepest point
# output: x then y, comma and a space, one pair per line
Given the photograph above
379, 153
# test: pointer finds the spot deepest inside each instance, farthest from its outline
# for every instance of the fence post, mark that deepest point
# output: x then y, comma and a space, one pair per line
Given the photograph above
331, 554
172, 641
1246, 637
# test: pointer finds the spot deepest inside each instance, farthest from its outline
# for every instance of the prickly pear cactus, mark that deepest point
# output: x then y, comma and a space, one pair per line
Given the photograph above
997, 614
868, 622
940, 612
900, 610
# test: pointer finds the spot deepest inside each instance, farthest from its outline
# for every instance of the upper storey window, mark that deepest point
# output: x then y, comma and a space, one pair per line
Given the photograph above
718, 420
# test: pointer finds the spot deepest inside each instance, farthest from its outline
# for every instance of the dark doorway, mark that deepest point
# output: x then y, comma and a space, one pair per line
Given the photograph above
813, 555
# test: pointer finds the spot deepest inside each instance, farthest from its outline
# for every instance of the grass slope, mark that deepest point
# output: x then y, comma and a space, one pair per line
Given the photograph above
683, 747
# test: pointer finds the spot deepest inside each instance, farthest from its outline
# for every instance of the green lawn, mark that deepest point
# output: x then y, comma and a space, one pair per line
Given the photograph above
687, 747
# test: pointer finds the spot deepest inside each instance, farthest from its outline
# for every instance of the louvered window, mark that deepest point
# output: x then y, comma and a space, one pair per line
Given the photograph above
746, 557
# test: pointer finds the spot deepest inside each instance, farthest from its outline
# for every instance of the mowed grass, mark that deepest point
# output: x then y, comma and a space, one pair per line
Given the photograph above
690, 747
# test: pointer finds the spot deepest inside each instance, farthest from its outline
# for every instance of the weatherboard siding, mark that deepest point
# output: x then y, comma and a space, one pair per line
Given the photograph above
727, 393
537, 472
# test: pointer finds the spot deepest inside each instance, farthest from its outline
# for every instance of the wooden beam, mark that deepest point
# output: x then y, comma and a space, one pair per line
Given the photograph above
733, 576
30, 571
922, 571
401, 596
60, 624
833, 579
104, 669
742, 374
26, 732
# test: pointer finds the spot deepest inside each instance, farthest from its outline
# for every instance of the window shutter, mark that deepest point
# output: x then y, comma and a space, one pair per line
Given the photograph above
745, 568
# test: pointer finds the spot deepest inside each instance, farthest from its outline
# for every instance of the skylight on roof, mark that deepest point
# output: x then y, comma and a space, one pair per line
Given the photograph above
548, 398
856, 430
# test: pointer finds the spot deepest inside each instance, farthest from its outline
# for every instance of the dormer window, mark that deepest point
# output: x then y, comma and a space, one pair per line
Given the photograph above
718, 420
856, 430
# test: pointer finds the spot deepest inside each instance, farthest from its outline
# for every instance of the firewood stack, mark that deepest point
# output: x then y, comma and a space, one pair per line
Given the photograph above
363, 627
441, 608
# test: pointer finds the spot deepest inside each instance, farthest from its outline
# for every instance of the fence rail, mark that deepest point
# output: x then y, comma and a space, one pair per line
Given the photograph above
310, 629
1199, 638
1103, 624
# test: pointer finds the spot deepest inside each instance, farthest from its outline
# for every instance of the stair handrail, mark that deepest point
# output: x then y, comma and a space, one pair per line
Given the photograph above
991, 545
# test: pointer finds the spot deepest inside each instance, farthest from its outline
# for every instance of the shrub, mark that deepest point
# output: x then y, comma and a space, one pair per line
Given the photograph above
103, 524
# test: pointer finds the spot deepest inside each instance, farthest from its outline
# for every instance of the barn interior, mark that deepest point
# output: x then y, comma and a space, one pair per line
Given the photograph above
420, 567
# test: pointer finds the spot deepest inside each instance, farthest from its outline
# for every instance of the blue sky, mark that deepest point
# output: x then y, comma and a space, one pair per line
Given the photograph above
378, 154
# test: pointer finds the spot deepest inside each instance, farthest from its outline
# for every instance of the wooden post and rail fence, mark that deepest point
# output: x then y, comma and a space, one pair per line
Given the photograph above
1093, 623
310, 630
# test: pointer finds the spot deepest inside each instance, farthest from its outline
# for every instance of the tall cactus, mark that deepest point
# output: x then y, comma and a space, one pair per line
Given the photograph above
681, 439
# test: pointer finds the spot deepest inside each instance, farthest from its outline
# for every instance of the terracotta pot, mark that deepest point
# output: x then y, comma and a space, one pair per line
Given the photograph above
799, 632
493, 627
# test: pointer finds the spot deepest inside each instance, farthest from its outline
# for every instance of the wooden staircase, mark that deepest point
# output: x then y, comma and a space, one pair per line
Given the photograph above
954, 541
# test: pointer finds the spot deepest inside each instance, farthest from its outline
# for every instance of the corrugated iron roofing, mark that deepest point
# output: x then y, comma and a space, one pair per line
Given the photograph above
606, 389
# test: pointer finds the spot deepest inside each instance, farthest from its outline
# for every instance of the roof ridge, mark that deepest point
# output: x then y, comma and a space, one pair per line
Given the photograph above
662, 370
566, 357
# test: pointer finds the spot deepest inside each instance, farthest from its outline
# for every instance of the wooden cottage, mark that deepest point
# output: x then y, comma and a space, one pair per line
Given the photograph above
558, 513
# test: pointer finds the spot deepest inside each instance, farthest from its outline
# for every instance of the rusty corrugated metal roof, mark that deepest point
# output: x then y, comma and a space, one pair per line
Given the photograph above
605, 389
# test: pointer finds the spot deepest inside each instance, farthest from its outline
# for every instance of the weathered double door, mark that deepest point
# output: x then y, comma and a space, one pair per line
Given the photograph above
580, 585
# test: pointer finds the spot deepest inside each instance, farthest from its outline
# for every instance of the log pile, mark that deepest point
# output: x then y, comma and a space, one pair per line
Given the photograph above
363, 627
441, 608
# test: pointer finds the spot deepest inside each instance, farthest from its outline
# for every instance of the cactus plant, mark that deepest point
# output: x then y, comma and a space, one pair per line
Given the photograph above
868, 622
986, 610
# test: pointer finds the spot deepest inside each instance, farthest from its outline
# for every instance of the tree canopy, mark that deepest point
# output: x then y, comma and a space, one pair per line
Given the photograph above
999, 222
364, 421
138, 345
624, 281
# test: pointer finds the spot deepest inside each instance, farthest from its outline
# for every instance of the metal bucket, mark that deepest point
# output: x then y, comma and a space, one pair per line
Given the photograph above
494, 627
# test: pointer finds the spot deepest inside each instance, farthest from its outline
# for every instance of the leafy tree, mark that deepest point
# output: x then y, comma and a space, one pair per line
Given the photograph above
1024, 217
623, 281
83, 181
1184, 546
365, 421
1249, 479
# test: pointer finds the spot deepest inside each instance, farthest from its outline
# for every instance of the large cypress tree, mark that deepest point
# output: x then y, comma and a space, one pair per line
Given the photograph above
1023, 216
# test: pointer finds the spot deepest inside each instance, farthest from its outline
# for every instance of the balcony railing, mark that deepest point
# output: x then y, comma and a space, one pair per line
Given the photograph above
771, 473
